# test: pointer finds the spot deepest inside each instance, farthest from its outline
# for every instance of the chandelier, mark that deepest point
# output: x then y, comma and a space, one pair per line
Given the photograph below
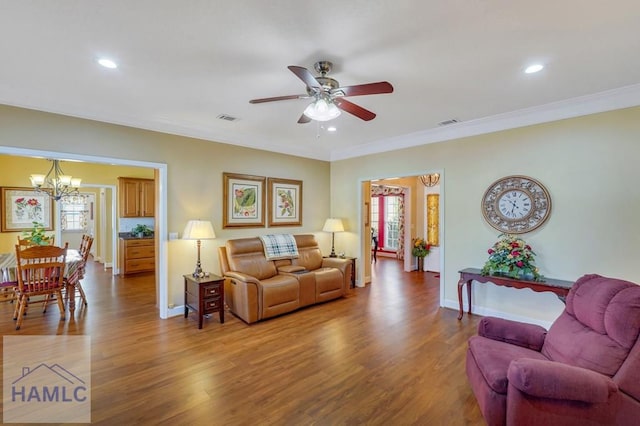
430, 180
55, 183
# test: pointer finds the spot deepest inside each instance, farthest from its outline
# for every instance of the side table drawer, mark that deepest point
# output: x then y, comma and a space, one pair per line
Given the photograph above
212, 305
212, 290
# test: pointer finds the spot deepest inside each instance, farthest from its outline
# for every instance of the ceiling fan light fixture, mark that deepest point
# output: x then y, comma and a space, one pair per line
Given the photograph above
322, 110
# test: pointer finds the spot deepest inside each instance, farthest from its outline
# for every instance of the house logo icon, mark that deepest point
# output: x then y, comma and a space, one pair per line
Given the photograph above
46, 379
48, 384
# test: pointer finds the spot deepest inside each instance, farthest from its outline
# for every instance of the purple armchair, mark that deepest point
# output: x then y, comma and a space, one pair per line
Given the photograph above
584, 371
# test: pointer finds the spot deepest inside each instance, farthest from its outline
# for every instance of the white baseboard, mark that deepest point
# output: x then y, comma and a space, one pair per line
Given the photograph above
486, 312
175, 311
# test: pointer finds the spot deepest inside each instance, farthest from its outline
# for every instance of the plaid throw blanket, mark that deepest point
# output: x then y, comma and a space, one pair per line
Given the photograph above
279, 246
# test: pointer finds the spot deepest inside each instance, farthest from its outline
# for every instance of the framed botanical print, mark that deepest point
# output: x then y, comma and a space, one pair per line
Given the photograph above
285, 202
21, 207
243, 202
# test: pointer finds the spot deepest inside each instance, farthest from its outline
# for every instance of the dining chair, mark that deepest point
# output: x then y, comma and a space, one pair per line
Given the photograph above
40, 272
85, 248
26, 242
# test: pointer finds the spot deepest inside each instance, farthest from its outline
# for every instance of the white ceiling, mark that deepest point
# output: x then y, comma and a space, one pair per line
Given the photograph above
183, 63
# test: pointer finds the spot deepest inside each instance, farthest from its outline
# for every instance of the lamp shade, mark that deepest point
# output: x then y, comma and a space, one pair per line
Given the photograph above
198, 230
333, 225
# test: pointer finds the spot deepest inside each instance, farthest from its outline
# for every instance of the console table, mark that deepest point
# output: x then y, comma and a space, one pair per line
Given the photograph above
559, 287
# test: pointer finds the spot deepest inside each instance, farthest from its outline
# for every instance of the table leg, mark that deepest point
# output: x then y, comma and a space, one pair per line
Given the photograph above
461, 283
71, 289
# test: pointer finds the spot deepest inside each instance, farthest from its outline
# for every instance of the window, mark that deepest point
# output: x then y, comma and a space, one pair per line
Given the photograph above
385, 220
73, 213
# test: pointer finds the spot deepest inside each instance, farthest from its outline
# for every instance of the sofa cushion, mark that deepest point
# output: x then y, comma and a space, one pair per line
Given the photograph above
246, 255
493, 358
309, 254
280, 294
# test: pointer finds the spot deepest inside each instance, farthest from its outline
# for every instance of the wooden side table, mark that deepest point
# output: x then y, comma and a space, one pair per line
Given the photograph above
204, 296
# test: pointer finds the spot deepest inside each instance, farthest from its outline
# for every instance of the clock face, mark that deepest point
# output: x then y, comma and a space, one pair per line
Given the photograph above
516, 204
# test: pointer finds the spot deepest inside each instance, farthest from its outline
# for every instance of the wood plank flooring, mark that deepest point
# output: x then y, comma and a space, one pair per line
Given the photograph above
387, 354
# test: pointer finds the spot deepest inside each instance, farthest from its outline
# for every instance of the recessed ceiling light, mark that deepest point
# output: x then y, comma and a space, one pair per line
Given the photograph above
533, 68
331, 129
107, 63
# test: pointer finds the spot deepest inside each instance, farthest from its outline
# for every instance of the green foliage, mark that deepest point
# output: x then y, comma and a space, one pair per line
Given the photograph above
420, 248
142, 229
37, 235
510, 256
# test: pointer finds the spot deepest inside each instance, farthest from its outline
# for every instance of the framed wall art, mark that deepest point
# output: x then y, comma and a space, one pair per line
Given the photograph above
285, 202
243, 201
23, 206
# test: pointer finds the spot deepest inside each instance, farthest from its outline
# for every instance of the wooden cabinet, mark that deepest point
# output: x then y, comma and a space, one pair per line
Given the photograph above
137, 197
137, 255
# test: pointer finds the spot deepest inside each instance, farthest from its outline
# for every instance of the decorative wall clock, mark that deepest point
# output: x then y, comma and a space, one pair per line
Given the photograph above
516, 204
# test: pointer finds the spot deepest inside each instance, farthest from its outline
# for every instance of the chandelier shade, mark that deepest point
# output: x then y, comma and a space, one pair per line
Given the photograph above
55, 183
430, 180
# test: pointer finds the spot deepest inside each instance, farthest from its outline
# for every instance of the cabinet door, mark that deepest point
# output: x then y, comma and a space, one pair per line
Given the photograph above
148, 198
129, 198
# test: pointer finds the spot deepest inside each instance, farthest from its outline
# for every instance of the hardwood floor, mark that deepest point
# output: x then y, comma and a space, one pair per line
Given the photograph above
387, 354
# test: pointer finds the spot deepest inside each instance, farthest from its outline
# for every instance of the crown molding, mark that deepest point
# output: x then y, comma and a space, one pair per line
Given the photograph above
623, 97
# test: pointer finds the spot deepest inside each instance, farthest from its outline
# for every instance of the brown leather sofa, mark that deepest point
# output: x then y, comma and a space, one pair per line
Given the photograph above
256, 288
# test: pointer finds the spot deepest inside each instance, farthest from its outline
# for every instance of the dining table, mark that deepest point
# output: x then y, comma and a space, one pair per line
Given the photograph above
73, 273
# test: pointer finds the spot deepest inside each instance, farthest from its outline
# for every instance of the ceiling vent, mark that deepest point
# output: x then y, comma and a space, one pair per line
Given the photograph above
226, 117
448, 122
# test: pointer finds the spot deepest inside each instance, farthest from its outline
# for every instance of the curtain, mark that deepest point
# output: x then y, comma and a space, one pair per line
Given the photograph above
394, 190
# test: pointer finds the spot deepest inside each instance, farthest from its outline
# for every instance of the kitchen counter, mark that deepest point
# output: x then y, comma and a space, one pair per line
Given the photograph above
128, 236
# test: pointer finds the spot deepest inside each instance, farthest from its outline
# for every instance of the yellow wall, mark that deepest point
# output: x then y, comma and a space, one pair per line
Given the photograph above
16, 171
194, 176
588, 164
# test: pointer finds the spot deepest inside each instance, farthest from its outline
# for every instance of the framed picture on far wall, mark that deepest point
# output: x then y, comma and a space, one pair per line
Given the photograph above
285, 202
23, 206
243, 202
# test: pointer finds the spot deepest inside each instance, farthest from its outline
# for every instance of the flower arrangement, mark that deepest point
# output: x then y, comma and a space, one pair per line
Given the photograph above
512, 257
37, 236
420, 247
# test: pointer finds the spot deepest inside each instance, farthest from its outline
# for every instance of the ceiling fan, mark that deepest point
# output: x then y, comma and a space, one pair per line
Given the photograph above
328, 96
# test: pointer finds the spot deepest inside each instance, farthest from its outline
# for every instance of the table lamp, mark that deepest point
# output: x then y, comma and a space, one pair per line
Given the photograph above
333, 225
198, 230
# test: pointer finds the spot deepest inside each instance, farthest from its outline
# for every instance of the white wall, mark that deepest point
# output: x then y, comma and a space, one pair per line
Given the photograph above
589, 166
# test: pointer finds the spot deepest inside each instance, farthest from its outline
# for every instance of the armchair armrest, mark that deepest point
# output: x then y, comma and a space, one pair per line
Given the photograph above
550, 379
529, 336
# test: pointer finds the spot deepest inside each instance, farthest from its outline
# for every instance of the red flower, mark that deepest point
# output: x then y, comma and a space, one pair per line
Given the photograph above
515, 244
528, 247
239, 193
20, 200
490, 251
32, 202
515, 253
519, 264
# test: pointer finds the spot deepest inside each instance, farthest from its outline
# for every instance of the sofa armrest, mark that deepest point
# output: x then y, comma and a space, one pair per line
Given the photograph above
245, 278
555, 380
288, 269
336, 262
529, 336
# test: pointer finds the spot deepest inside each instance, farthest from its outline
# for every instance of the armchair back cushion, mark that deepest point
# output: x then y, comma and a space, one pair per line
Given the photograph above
597, 329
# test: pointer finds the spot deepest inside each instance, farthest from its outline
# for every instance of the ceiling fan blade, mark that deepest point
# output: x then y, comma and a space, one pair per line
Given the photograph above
303, 119
354, 109
306, 76
365, 89
277, 98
